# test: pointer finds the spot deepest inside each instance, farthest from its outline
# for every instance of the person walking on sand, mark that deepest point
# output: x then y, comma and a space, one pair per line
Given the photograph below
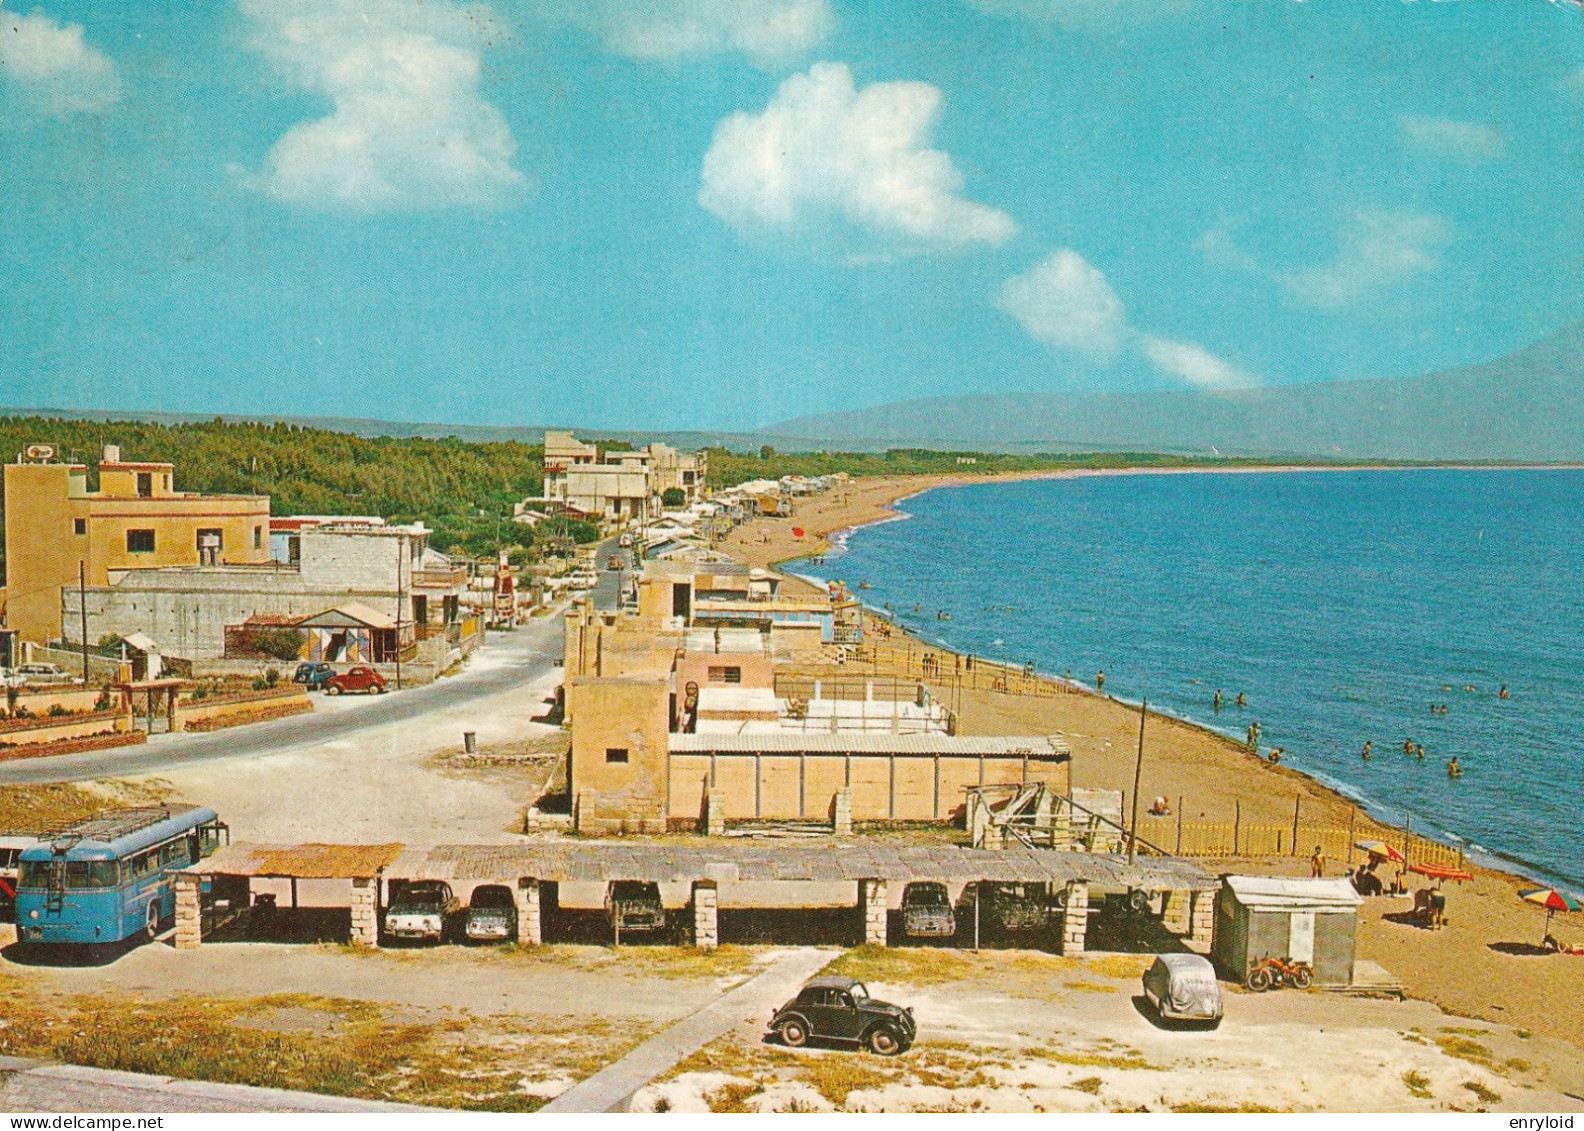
1317, 863
1100, 682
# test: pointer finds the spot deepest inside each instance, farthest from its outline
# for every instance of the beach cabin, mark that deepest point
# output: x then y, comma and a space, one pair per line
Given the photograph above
1313, 921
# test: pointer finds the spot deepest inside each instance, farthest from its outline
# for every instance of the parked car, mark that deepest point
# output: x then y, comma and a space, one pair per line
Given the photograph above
632, 905
1183, 987
834, 1008
1012, 908
492, 914
361, 678
615, 562
418, 910
927, 911
313, 674
42, 673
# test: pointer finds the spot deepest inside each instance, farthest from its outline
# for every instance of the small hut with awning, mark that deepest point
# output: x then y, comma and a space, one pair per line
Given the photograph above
352, 633
1305, 920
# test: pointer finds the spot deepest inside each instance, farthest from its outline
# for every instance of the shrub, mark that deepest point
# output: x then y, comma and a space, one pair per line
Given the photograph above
280, 642
272, 677
56, 711
105, 700
260, 684
673, 497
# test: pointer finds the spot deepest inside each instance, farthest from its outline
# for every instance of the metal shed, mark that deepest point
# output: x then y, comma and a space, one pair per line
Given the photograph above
1313, 921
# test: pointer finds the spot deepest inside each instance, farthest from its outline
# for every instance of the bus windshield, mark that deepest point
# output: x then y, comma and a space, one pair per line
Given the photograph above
80, 874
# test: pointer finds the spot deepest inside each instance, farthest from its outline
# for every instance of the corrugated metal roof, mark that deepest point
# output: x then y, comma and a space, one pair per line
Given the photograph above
804, 742
829, 861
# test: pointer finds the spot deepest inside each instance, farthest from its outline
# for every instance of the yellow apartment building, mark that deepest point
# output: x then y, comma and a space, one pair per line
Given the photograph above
135, 520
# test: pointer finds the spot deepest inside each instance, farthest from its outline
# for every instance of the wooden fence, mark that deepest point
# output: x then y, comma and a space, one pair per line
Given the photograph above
948, 669
1242, 838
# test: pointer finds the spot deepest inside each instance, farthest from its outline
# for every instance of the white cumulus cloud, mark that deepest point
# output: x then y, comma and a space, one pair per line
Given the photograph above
1446, 137
409, 129
53, 68
767, 31
1066, 302
1376, 249
824, 154
1194, 364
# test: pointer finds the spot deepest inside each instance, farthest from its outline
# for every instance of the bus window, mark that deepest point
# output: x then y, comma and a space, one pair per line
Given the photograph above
103, 874
34, 874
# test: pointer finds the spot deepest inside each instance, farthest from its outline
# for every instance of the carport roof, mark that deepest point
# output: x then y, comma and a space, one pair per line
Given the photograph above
872, 742
304, 861
822, 861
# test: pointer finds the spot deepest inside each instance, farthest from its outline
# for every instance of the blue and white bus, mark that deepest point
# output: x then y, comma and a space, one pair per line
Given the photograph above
107, 878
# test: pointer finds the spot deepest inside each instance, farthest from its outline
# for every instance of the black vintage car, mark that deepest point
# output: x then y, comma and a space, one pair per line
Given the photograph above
833, 1008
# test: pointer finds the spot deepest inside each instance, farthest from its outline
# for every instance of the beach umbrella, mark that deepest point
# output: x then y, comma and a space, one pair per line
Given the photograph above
1380, 848
1552, 900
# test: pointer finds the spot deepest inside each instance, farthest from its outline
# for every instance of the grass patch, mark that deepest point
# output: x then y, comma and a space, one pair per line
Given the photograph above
838, 1076
731, 1097
1240, 1109
307, 1042
1464, 1032
1089, 1084
1124, 1058
1482, 1093
1465, 1049
1084, 987
1417, 1083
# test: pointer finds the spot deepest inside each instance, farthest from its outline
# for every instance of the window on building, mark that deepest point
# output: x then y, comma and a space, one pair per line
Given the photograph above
140, 541
616, 754
145, 484
258, 537
79, 526
210, 543
725, 674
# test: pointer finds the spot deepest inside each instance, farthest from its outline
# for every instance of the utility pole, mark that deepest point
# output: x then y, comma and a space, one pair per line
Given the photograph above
401, 552
1138, 774
82, 609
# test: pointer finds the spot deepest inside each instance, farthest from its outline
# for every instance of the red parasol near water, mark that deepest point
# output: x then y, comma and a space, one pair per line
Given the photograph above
797, 532
1439, 872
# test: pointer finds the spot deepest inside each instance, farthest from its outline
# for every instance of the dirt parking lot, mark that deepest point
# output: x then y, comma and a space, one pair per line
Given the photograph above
508, 1028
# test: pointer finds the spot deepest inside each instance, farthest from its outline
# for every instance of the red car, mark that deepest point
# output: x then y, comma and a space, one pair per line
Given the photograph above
360, 678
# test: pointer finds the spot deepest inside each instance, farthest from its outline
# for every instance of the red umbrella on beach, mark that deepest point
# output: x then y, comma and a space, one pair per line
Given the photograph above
1380, 848
1439, 872
1552, 900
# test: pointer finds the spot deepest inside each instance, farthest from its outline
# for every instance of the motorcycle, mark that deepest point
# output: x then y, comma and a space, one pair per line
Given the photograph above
1269, 973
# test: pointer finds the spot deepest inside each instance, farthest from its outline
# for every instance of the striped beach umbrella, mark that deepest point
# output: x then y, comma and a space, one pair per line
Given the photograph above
1552, 900
1382, 849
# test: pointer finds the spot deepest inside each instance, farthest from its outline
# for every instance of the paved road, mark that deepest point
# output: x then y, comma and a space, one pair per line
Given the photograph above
608, 588
509, 660
612, 1087
36, 1086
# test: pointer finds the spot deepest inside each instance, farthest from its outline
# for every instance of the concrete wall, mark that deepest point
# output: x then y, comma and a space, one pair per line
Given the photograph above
884, 788
628, 713
27, 732
233, 710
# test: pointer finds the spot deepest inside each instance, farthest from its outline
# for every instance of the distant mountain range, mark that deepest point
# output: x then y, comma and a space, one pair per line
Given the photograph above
1526, 406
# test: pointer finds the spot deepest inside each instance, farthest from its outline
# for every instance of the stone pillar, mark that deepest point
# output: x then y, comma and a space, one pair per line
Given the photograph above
189, 915
715, 813
530, 921
1075, 919
872, 905
585, 810
1202, 919
706, 903
365, 911
841, 812
1175, 915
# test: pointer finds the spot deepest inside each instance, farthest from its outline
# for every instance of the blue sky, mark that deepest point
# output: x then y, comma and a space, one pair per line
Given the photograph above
724, 213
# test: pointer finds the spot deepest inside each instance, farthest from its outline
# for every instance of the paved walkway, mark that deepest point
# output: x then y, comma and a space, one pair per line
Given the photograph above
612, 1087
38, 1086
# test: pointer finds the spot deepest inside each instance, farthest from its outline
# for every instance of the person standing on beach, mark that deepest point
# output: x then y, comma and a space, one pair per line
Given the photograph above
1317, 863
1100, 682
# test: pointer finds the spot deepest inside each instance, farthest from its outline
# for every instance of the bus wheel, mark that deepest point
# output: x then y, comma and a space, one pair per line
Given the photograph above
150, 931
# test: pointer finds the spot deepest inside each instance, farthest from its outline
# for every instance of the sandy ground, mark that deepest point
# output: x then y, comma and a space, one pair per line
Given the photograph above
1083, 1039
1482, 964
383, 786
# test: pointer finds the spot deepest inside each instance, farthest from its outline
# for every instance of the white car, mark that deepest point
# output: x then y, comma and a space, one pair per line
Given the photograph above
42, 673
1183, 987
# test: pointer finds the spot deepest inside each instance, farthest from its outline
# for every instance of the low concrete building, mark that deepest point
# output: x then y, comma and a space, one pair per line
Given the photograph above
187, 610
1305, 920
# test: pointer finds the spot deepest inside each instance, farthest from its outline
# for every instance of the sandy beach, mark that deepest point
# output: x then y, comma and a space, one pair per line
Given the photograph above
1485, 962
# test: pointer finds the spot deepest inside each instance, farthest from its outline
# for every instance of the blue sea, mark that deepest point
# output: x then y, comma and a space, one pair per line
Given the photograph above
1342, 604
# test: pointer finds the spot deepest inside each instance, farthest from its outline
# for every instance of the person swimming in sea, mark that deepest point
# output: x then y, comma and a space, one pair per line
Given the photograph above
1215, 703
1366, 751
1453, 769
1241, 700
1407, 746
1502, 694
